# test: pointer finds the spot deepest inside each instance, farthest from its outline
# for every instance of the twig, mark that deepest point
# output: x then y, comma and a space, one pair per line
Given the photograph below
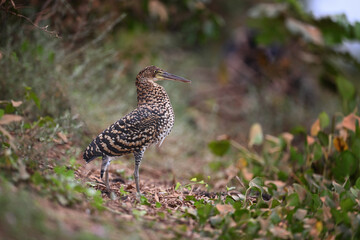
98, 38
45, 28
117, 212
240, 181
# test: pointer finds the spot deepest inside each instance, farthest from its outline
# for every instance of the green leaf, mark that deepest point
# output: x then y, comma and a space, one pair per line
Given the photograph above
138, 213
357, 184
345, 88
256, 182
355, 148
345, 165
123, 192
97, 201
37, 179
14, 57
144, 201
51, 57
298, 130
318, 153
24, 46
178, 185
347, 204
241, 215
274, 217
193, 179
35, 98
219, 148
293, 200
2, 112
357, 30
62, 171
324, 120
315, 202
205, 211
323, 138
296, 156
190, 198
275, 203
339, 216
158, 205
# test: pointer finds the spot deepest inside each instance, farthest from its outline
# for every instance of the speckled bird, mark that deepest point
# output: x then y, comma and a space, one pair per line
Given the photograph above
148, 124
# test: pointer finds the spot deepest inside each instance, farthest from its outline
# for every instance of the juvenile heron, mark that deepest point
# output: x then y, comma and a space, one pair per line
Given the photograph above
149, 123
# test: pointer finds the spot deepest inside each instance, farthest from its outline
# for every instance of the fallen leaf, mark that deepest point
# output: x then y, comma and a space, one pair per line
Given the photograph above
63, 137
241, 163
156, 8
224, 209
11, 138
340, 144
248, 175
315, 128
277, 183
16, 103
300, 214
156, 197
280, 232
8, 118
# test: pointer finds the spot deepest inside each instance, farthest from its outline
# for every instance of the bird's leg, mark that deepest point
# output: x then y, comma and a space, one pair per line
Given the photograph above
136, 176
105, 168
107, 178
138, 158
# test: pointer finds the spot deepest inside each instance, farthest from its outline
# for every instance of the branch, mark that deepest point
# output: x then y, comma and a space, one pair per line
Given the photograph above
45, 28
100, 37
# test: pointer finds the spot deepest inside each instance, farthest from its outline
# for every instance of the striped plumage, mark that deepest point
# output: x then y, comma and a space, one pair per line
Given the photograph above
149, 123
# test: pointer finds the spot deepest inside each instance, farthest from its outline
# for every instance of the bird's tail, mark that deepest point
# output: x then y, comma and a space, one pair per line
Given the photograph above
92, 152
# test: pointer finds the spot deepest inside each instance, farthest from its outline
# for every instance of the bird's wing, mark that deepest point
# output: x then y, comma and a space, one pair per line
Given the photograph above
144, 122
131, 133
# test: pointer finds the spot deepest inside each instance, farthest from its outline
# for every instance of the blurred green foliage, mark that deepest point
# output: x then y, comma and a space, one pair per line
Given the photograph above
313, 177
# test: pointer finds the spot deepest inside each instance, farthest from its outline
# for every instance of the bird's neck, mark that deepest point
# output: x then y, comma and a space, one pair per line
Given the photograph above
150, 93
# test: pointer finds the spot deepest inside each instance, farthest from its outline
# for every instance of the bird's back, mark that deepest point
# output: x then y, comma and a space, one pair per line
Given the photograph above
133, 133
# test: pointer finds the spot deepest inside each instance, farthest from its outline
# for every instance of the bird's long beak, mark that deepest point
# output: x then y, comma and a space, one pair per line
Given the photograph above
169, 76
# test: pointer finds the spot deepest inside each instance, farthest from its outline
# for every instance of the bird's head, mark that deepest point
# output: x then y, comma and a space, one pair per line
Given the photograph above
152, 73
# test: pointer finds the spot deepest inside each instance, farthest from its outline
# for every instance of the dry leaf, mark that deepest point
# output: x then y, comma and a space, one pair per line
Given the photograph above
16, 103
224, 209
300, 214
8, 118
247, 174
340, 144
158, 9
241, 163
349, 122
256, 135
280, 232
278, 184
310, 140
63, 137
308, 32
156, 197
288, 137
11, 138
315, 128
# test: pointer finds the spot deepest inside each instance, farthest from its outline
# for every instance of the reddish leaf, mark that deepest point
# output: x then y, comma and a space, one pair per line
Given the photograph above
9, 118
